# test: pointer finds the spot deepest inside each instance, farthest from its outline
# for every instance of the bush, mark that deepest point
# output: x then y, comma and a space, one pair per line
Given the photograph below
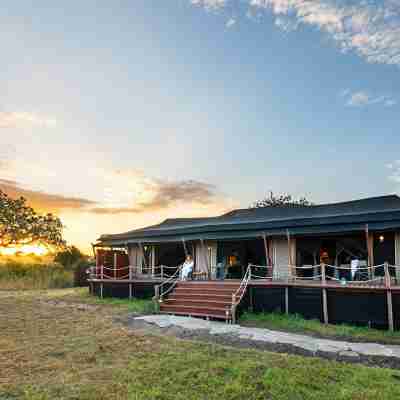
69, 257
80, 275
21, 275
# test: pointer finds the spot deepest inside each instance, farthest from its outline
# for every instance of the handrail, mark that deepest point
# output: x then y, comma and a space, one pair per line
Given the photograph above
172, 279
241, 290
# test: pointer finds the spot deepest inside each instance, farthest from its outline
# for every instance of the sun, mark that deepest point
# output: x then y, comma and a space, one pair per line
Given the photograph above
25, 249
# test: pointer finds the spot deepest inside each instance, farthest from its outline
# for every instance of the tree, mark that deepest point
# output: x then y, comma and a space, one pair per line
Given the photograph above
20, 224
69, 256
280, 200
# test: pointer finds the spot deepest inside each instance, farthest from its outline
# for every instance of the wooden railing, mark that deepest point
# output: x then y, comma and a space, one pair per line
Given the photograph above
238, 295
128, 272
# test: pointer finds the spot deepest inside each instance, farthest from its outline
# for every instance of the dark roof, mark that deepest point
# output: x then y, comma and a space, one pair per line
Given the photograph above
273, 220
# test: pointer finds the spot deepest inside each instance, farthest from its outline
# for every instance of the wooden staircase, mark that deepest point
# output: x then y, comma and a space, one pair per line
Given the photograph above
206, 299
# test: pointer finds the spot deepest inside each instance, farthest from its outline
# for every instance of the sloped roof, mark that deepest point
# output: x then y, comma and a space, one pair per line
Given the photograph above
381, 209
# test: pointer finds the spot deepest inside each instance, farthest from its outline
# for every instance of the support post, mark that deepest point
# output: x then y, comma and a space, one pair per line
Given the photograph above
130, 282
287, 300
143, 263
204, 247
388, 285
162, 271
184, 247
370, 249
233, 308
115, 264
266, 253
324, 294
101, 277
292, 271
157, 297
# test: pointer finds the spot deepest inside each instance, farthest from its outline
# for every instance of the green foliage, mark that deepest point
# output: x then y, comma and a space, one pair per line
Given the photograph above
139, 306
20, 275
273, 200
20, 223
69, 256
296, 323
80, 275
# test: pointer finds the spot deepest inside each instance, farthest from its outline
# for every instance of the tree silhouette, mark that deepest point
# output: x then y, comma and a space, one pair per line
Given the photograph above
20, 224
280, 200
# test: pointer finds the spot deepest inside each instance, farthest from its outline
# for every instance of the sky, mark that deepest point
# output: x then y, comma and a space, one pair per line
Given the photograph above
117, 115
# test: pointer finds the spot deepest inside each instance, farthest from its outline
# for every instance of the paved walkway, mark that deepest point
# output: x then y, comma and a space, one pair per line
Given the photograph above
314, 346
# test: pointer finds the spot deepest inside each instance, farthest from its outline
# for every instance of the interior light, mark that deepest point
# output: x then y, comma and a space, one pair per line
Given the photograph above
381, 238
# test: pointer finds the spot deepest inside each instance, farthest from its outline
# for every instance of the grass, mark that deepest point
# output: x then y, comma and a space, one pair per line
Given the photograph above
81, 295
50, 352
33, 273
296, 323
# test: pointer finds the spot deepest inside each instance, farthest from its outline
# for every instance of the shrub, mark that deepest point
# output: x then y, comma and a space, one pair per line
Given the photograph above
80, 275
69, 257
21, 275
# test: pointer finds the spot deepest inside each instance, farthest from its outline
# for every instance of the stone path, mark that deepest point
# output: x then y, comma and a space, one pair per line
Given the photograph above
333, 349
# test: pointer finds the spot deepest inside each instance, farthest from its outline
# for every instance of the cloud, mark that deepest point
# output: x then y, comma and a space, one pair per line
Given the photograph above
394, 168
371, 29
230, 22
42, 201
106, 191
164, 195
25, 120
364, 98
210, 4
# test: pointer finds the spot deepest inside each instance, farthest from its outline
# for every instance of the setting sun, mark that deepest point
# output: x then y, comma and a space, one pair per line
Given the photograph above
38, 250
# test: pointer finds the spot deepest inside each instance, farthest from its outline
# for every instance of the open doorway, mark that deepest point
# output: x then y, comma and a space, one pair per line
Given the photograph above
235, 256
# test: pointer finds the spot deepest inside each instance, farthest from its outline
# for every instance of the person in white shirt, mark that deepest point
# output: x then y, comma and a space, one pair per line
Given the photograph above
355, 263
187, 268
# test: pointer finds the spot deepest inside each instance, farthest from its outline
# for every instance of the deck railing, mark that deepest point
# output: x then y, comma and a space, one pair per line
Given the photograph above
345, 275
238, 295
376, 275
129, 272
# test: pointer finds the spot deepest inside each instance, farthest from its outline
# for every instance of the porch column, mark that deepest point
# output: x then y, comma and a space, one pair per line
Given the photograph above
397, 254
205, 255
184, 247
115, 264
267, 256
141, 258
292, 271
153, 260
369, 237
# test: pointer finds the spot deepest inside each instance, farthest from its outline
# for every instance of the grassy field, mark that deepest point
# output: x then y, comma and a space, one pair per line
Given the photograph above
30, 272
297, 324
60, 351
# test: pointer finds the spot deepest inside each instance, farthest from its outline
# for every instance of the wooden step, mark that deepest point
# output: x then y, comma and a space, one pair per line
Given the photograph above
197, 303
199, 315
196, 291
200, 297
208, 285
191, 310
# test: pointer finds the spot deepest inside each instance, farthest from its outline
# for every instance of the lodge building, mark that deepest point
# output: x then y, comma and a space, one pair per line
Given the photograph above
335, 262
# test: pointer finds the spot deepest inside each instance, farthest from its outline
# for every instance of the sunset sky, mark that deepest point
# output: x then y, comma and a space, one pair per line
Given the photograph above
116, 115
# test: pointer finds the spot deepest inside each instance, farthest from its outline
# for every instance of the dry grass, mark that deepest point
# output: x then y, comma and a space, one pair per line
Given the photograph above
61, 352
33, 272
